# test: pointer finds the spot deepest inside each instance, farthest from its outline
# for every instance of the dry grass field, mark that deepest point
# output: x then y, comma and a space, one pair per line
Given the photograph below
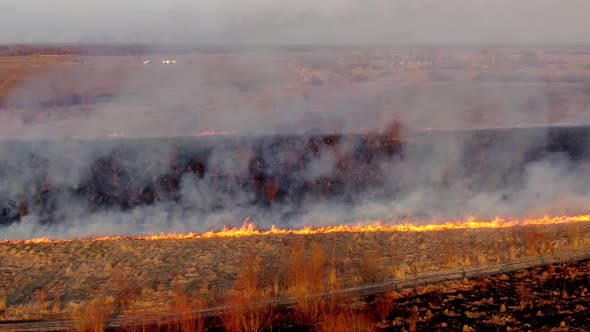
80, 279
13, 70
93, 280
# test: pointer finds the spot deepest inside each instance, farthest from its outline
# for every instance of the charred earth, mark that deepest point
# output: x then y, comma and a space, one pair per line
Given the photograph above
280, 172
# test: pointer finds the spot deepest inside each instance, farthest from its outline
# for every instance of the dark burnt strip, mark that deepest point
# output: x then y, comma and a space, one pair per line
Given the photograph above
262, 171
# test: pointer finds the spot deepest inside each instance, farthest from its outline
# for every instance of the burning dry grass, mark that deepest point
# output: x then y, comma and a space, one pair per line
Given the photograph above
48, 280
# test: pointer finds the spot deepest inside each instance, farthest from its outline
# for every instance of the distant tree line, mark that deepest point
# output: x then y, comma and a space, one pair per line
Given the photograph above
24, 50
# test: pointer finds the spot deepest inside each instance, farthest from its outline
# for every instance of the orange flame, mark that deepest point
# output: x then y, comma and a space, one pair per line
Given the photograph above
116, 135
248, 229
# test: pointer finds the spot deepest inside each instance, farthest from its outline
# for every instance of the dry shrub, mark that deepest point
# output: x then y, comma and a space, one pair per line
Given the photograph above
93, 315
448, 253
383, 305
399, 270
311, 272
572, 273
532, 240
248, 312
574, 235
480, 258
248, 306
41, 299
294, 258
313, 281
189, 318
140, 324
347, 321
370, 265
413, 319
306, 270
416, 267
57, 294
126, 290
511, 253
309, 309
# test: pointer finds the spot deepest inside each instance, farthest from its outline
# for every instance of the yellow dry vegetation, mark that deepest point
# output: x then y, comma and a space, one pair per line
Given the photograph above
50, 280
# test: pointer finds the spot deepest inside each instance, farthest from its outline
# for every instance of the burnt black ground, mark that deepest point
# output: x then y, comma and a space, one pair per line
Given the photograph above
264, 171
539, 299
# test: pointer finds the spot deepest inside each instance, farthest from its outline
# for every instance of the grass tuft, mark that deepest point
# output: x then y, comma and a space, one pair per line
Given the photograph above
93, 315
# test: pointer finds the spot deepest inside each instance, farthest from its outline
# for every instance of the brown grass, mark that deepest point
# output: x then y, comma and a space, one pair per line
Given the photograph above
370, 266
126, 290
93, 315
247, 307
189, 318
15, 69
309, 309
383, 305
310, 273
42, 300
532, 239
7, 84
574, 235
347, 321
3, 302
413, 319
300, 266
306, 268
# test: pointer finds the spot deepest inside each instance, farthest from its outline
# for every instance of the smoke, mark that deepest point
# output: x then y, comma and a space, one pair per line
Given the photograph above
65, 117
434, 182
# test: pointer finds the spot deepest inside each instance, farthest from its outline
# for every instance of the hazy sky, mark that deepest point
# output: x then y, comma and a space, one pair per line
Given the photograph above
296, 21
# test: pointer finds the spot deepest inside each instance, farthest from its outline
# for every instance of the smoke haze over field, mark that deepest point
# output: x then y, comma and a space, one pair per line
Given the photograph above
261, 95
350, 22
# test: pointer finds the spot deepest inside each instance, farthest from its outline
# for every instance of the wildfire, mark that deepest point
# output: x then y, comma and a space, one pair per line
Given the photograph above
248, 229
116, 135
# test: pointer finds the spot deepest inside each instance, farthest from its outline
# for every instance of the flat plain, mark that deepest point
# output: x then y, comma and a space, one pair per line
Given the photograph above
48, 93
